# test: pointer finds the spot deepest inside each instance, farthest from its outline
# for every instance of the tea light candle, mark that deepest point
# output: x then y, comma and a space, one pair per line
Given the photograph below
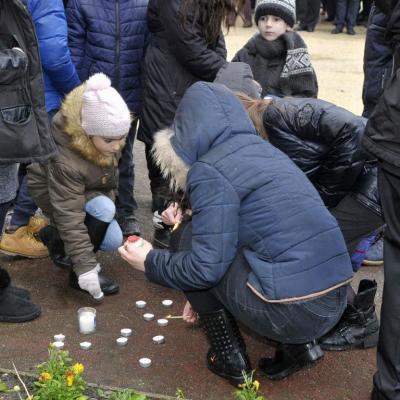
87, 320
58, 345
85, 345
145, 362
167, 303
126, 332
122, 341
158, 339
162, 322
59, 338
148, 316
141, 304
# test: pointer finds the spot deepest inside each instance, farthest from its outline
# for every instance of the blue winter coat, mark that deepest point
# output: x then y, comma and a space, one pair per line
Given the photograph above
59, 73
378, 56
110, 36
246, 194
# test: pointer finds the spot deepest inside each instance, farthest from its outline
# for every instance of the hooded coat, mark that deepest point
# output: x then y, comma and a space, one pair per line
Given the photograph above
245, 195
176, 57
24, 128
62, 187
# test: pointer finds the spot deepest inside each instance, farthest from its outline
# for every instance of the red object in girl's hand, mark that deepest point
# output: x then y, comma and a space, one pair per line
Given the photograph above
133, 238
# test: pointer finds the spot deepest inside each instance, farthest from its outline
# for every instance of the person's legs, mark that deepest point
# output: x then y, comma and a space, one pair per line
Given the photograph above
311, 19
3, 212
340, 16
351, 16
125, 203
387, 377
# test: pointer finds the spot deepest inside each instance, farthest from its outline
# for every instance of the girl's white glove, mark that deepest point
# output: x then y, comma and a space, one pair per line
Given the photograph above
89, 281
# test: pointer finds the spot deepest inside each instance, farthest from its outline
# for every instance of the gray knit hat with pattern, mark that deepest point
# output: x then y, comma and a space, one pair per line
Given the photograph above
285, 9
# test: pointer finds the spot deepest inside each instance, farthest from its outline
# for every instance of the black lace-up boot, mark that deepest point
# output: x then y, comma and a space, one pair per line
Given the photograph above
227, 355
359, 326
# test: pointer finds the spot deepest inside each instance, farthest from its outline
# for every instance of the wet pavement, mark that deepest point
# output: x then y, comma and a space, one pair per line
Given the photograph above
180, 361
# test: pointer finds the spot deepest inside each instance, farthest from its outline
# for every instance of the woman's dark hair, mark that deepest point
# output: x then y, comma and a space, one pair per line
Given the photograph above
255, 109
213, 14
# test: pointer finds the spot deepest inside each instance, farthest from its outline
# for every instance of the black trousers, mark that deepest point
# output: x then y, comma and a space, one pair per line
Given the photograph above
308, 13
387, 378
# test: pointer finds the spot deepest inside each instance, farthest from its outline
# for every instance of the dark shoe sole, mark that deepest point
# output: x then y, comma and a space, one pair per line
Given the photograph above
22, 318
366, 343
107, 293
233, 380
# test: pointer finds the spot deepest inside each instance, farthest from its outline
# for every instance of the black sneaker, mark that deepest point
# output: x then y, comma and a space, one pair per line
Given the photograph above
161, 238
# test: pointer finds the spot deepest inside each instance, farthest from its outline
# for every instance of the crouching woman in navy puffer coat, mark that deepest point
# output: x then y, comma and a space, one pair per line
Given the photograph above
264, 249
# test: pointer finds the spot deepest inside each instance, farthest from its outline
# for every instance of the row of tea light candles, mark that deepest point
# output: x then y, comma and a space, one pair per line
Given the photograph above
87, 324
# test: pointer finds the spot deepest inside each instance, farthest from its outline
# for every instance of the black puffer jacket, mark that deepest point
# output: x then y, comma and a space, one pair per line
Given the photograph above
324, 141
24, 128
176, 58
377, 60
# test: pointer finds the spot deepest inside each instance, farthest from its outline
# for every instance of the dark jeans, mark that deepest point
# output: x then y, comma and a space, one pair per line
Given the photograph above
3, 212
125, 202
24, 206
308, 13
387, 377
355, 221
346, 13
297, 322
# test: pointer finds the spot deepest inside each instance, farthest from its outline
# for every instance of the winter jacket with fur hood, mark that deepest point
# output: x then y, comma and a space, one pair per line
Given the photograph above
176, 57
62, 187
246, 195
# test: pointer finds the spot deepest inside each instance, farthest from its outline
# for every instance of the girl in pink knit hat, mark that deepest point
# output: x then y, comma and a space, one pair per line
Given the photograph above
76, 190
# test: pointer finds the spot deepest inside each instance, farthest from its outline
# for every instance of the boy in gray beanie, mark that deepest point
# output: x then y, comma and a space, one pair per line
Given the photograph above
278, 56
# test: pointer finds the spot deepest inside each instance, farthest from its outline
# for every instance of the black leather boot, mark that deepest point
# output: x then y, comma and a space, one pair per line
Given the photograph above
97, 230
227, 355
290, 358
51, 239
14, 308
359, 326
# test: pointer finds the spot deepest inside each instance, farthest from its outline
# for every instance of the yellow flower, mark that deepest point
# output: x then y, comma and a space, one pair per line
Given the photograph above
256, 385
78, 368
45, 376
242, 385
70, 378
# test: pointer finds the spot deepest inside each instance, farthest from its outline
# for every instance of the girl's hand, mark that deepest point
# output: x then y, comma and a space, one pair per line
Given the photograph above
135, 256
189, 315
172, 215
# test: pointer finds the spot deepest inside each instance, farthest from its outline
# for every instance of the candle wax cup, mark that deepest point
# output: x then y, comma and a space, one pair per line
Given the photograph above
158, 339
122, 341
167, 303
59, 338
126, 332
141, 304
145, 362
58, 345
148, 316
162, 322
85, 345
87, 322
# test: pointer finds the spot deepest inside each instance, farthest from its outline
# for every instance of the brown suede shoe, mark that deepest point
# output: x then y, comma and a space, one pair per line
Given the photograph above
22, 243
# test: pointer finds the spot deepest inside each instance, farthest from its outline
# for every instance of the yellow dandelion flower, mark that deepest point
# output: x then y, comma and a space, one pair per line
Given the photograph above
78, 368
45, 376
256, 385
70, 378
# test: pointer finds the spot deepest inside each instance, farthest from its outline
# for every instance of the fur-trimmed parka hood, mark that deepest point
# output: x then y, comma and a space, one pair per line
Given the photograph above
68, 122
193, 133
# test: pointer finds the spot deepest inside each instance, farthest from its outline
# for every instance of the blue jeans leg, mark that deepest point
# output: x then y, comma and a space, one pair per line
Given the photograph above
341, 11
125, 202
24, 206
103, 208
352, 13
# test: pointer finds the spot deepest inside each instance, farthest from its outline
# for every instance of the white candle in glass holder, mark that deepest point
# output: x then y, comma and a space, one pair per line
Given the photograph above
87, 320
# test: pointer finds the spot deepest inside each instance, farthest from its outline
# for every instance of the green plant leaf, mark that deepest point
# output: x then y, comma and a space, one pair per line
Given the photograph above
3, 387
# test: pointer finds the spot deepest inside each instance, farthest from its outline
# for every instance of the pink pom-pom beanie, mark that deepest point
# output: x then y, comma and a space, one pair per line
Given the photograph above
104, 112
